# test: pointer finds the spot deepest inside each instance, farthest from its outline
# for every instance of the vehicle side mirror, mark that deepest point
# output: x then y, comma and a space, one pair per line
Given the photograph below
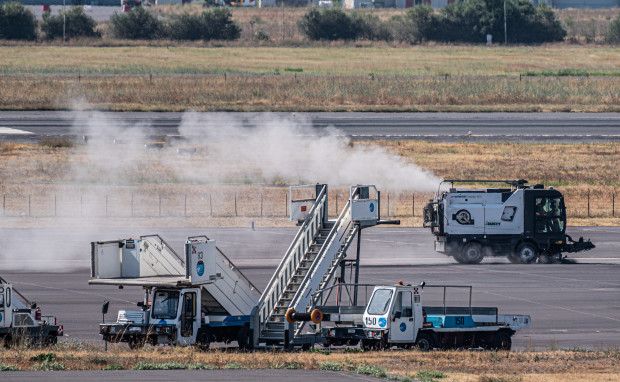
104, 308
398, 314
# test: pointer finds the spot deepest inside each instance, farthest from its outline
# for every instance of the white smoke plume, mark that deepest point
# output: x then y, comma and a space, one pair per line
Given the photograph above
269, 148
289, 149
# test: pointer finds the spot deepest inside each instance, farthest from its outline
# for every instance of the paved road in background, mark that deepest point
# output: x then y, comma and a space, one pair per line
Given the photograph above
99, 13
570, 304
447, 127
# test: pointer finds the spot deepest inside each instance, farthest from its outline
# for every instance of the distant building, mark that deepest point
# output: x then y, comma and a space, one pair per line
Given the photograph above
442, 3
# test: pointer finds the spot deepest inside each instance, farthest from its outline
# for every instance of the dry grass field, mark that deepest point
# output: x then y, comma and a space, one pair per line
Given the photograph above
522, 366
39, 185
288, 93
420, 78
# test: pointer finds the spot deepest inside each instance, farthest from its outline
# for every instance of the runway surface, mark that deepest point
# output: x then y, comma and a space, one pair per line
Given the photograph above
572, 305
30, 126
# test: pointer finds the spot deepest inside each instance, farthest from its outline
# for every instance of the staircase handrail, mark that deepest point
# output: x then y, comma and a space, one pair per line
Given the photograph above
291, 249
320, 255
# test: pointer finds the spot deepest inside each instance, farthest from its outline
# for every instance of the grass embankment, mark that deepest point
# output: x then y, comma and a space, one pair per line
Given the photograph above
558, 365
42, 183
362, 84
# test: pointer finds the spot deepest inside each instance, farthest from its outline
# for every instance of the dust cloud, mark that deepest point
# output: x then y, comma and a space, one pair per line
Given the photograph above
265, 149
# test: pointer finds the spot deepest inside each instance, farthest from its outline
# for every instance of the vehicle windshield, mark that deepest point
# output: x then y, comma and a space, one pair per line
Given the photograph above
549, 215
165, 304
380, 301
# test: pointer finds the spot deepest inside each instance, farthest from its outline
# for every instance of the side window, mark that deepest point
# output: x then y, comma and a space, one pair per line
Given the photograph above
509, 213
407, 306
23, 319
8, 297
1, 297
549, 215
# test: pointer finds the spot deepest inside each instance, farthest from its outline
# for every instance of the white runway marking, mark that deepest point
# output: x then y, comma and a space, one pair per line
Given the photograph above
8, 130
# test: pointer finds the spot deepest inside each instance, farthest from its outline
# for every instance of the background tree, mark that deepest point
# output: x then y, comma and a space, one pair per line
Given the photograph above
17, 22
137, 24
77, 24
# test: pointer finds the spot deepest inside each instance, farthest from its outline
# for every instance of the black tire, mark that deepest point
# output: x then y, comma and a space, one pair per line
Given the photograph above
203, 341
6, 342
425, 342
526, 253
244, 339
471, 253
369, 345
50, 340
502, 341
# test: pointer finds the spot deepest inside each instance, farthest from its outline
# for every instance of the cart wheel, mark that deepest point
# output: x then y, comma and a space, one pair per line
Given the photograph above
50, 340
425, 342
244, 339
502, 341
471, 254
135, 343
526, 253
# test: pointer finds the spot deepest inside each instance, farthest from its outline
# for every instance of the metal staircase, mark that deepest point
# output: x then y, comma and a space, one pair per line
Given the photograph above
310, 262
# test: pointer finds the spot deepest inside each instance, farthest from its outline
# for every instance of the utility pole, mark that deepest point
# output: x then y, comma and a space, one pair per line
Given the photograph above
505, 27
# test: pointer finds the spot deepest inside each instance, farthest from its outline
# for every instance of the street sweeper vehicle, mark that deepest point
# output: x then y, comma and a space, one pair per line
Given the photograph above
21, 321
524, 223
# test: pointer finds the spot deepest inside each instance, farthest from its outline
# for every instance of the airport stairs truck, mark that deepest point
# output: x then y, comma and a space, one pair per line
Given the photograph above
524, 223
201, 297
21, 321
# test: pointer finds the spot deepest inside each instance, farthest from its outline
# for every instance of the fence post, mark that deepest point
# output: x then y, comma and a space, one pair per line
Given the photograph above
613, 205
261, 204
337, 214
235, 204
588, 203
413, 205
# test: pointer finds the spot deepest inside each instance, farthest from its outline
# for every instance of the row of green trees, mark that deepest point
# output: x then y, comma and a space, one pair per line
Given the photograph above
18, 23
468, 21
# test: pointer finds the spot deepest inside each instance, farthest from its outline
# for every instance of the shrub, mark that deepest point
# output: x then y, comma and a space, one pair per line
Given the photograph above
261, 36
472, 20
114, 367
613, 35
4, 367
77, 24
418, 25
327, 24
137, 24
159, 366
216, 24
370, 27
17, 22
